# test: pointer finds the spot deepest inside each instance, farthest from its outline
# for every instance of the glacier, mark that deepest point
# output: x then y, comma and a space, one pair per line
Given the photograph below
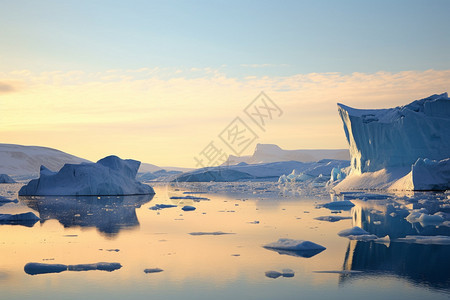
110, 176
401, 148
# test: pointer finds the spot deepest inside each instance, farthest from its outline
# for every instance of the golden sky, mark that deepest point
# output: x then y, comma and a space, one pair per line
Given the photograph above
168, 116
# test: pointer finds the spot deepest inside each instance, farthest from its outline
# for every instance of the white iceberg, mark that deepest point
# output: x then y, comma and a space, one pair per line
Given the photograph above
110, 176
402, 148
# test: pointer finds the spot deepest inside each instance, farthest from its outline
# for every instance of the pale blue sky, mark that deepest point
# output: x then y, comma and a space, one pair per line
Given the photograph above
288, 37
157, 81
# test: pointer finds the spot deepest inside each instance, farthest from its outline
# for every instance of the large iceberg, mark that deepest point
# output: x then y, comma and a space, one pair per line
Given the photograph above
402, 148
109, 176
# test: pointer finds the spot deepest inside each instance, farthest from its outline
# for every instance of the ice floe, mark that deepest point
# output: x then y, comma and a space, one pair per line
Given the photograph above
39, 268
293, 247
161, 206
188, 208
210, 233
153, 270
332, 218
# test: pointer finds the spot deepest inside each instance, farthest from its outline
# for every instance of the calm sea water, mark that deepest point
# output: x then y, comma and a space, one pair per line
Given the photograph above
229, 266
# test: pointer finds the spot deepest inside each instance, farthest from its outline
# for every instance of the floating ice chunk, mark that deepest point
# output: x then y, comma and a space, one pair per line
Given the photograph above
4, 178
110, 176
339, 205
298, 248
284, 273
102, 266
210, 233
153, 270
195, 198
26, 219
39, 268
188, 208
421, 216
161, 206
273, 274
421, 239
332, 218
288, 273
352, 231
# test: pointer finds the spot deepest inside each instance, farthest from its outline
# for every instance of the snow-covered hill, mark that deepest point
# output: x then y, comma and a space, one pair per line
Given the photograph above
17, 160
267, 153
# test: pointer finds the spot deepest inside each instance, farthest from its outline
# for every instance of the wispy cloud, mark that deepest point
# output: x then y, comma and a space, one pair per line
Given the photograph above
166, 116
8, 87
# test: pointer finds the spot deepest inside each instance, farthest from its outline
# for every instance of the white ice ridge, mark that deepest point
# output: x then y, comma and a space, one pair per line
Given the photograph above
401, 148
109, 176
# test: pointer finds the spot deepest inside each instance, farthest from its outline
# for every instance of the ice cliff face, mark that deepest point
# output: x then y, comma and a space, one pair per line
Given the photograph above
109, 176
397, 137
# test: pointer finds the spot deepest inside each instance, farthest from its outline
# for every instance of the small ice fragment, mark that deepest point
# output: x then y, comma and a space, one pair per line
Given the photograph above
288, 273
210, 233
161, 206
352, 231
153, 270
188, 208
273, 274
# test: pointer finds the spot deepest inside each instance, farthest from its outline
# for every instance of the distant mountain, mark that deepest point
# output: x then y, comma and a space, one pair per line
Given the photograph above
16, 160
267, 153
25, 161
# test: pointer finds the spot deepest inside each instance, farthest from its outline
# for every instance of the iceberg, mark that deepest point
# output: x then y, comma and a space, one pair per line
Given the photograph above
110, 176
401, 148
298, 248
4, 178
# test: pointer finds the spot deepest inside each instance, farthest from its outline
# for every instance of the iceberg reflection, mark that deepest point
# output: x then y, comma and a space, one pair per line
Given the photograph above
427, 264
109, 214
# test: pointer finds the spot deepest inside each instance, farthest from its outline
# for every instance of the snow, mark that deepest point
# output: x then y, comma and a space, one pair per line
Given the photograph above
109, 176
263, 172
26, 160
402, 148
39, 268
267, 153
4, 178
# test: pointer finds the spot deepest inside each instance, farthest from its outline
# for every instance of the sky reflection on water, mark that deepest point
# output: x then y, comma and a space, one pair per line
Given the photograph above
125, 230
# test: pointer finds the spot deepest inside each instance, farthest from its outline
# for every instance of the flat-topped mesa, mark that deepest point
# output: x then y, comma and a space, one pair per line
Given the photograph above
397, 137
110, 176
